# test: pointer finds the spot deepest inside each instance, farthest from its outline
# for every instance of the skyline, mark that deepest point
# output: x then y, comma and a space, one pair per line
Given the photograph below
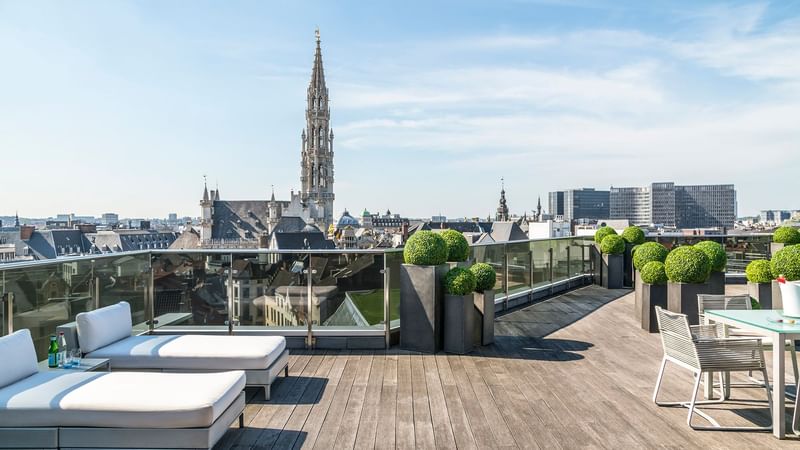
457, 95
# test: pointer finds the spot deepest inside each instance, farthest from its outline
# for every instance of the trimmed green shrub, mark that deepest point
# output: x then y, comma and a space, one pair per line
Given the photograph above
654, 273
613, 244
786, 262
603, 232
425, 248
457, 245
716, 254
754, 304
459, 281
634, 235
647, 252
759, 271
687, 265
485, 276
786, 235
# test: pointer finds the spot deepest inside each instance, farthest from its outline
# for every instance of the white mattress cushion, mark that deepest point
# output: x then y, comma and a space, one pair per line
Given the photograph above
119, 399
193, 352
104, 326
17, 357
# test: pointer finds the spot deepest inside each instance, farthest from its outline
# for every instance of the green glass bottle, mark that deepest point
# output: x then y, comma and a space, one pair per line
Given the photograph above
52, 353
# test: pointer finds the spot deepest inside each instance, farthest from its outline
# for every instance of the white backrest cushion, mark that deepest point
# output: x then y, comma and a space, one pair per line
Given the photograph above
17, 357
104, 326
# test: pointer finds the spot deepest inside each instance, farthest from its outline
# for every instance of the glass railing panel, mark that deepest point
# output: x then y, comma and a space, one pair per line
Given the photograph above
347, 291
742, 250
494, 255
561, 269
125, 278
577, 257
519, 267
190, 289
394, 259
541, 262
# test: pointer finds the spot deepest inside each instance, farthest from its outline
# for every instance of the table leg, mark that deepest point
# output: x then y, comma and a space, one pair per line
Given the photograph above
778, 386
708, 377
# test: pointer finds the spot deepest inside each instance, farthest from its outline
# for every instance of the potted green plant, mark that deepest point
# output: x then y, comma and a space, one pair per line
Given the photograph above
485, 279
654, 293
719, 259
759, 282
421, 275
687, 271
782, 237
633, 236
643, 254
457, 248
786, 263
612, 248
596, 254
459, 307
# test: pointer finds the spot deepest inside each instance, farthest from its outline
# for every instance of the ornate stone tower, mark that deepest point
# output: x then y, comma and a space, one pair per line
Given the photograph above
316, 175
206, 214
502, 210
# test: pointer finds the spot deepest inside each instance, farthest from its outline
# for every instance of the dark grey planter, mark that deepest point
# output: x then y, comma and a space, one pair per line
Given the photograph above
458, 323
627, 274
762, 292
652, 295
777, 300
637, 292
716, 283
421, 308
774, 247
612, 271
483, 327
682, 298
597, 262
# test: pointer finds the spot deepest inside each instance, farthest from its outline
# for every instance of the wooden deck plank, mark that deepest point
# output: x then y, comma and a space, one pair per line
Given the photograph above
333, 417
404, 430
387, 409
368, 422
442, 429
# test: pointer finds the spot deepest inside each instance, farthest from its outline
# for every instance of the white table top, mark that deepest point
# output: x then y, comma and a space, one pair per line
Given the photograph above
87, 365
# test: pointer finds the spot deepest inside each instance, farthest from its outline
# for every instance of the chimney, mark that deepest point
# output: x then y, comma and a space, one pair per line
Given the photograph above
404, 229
87, 228
26, 231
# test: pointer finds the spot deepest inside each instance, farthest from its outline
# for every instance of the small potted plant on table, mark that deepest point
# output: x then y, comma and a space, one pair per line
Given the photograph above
785, 263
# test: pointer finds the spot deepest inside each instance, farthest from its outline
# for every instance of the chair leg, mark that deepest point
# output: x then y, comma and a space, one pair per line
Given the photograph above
793, 352
266, 392
714, 424
241, 420
286, 371
658, 380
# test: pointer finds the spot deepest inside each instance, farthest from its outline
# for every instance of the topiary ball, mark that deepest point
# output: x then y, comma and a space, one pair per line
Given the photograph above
716, 254
759, 271
603, 232
647, 252
459, 281
457, 245
786, 235
425, 248
687, 265
612, 244
485, 277
786, 262
654, 272
633, 235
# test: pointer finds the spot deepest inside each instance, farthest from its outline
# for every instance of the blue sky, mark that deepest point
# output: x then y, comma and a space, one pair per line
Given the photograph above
123, 106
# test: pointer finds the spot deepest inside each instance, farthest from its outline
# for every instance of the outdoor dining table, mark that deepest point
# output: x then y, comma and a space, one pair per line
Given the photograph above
768, 323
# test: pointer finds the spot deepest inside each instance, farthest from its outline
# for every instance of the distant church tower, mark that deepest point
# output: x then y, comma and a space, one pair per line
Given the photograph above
316, 176
502, 210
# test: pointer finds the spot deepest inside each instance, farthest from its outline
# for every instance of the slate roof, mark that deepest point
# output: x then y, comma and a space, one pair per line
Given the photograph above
300, 241
241, 219
507, 231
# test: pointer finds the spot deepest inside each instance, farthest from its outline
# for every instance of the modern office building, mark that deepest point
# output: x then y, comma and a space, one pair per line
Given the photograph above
574, 204
670, 205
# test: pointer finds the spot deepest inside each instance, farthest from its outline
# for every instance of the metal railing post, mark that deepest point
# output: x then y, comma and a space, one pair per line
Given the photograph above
387, 304
530, 254
505, 276
310, 304
8, 311
550, 276
231, 307
150, 298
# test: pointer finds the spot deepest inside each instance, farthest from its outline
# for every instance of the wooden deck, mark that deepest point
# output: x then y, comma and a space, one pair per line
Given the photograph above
570, 372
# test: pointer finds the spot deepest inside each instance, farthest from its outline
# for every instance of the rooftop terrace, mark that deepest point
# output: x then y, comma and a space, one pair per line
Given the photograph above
568, 372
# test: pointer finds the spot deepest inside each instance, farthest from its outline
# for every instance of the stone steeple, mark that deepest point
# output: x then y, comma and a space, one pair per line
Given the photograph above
316, 176
502, 210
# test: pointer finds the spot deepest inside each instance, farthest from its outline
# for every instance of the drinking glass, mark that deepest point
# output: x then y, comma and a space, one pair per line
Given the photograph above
75, 357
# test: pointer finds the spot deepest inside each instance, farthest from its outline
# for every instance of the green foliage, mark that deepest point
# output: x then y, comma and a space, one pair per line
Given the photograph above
612, 244
786, 262
687, 265
654, 273
603, 232
457, 245
425, 248
633, 235
715, 253
754, 304
759, 271
485, 277
647, 252
786, 235
459, 281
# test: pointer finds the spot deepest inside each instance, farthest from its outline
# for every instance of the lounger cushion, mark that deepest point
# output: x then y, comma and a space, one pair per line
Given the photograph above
17, 357
104, 326
119, 399
193, 352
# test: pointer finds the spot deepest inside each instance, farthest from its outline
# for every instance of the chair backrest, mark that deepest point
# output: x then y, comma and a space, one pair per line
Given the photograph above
714, 301
676, 338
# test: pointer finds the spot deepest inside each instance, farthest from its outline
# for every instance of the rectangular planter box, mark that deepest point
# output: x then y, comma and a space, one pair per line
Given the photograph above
458, 323
682, 298
777, 299
627, 275
637, 293
421, 311
762, 292
597, 262
716, 283
652, 295
483, 327
612, 271
774, 247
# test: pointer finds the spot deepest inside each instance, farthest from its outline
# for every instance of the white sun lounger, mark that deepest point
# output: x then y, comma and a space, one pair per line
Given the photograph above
68, 409
106, 333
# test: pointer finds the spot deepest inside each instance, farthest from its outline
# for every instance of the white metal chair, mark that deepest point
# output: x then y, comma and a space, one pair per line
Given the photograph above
700, 350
